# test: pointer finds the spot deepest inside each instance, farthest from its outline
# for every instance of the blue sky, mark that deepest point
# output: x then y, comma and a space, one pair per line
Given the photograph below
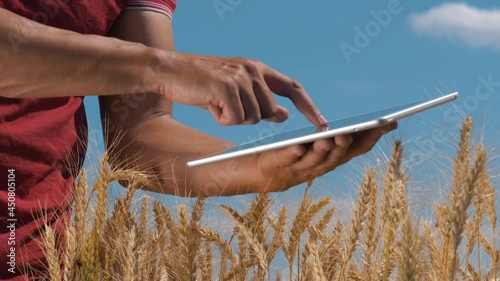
426, 49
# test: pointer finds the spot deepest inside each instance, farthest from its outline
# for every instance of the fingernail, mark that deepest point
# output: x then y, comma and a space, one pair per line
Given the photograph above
281, 116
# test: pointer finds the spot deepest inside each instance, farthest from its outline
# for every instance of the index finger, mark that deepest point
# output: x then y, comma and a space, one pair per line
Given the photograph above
285, 86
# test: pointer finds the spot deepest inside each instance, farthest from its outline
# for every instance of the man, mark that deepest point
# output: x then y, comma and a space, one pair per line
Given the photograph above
47, 67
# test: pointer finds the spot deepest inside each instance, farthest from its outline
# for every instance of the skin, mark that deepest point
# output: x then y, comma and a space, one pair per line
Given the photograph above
137, 76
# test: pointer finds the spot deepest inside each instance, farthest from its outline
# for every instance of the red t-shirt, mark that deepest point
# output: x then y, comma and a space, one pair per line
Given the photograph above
43, 141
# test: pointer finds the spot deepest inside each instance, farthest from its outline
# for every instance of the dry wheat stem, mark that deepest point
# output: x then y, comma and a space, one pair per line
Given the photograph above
51, 254
356, 225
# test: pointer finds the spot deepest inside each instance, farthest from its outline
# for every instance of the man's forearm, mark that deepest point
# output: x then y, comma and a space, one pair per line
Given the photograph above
162, 146
37, 61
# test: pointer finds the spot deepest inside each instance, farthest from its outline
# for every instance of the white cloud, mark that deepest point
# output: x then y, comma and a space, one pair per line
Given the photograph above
473, 26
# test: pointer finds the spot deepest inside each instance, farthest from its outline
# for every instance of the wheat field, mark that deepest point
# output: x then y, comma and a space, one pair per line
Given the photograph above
381, 240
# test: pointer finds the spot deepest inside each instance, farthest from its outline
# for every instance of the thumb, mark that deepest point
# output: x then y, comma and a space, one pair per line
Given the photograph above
282, 157
224, 117
215, 111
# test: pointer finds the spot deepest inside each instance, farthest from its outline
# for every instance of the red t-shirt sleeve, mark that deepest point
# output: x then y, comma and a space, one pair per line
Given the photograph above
166, 7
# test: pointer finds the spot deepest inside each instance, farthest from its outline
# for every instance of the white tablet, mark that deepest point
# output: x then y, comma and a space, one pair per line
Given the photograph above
334, 128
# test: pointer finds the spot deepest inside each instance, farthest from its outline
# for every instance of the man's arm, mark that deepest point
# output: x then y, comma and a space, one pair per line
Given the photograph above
38, 61
157, 144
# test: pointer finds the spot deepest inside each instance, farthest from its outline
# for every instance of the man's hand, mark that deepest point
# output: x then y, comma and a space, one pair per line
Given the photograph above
234, 90
281, 169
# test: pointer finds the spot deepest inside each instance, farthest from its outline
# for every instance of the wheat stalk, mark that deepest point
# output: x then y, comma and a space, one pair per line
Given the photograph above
130, 253
459, 203
278, 239
51, 254
70, 253
409, 257
251, 237
316, 266
317, 231
356, 225
330, 251
370, 231
391, 208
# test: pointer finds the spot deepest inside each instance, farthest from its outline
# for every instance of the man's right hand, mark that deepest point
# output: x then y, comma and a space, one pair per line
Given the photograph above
234, 90
62, 63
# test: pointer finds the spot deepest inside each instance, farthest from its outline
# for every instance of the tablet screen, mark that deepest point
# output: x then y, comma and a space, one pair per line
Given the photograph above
310, 130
